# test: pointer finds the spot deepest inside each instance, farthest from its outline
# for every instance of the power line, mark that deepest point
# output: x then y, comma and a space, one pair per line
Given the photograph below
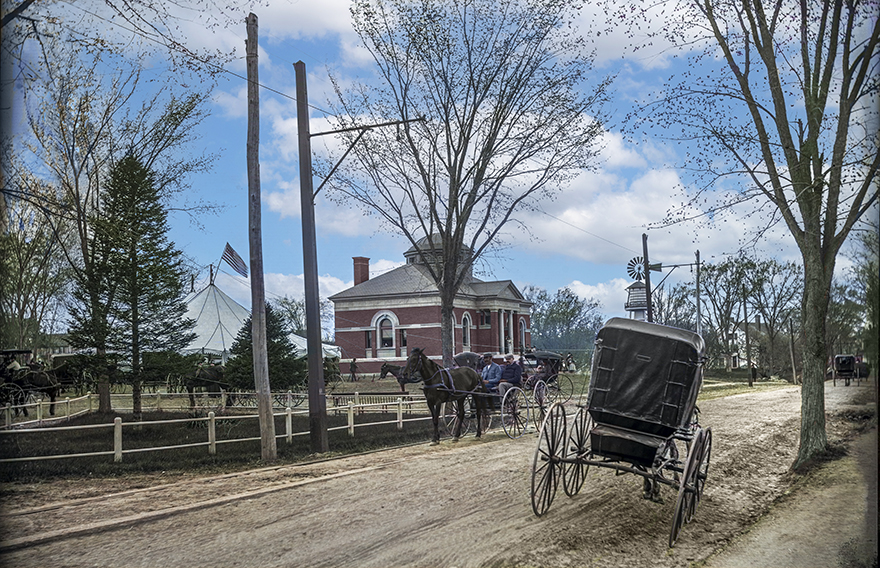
193, 56
589, 233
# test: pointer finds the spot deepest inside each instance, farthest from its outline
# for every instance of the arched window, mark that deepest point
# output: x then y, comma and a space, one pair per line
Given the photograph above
522, 333
466, 331
386, 333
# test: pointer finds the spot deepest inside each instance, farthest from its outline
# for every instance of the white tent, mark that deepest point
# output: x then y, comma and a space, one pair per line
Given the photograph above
218, 320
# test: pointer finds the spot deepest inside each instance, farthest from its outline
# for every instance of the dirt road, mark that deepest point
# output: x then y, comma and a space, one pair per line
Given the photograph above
464, 504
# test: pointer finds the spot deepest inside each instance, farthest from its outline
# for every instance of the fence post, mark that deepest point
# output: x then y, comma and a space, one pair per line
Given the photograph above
158, 401
212, 434
351, 417
89, 397
223, 398
117, 439
40, 411
67, 405
357, 402
399, 413
289, 399
288, 424
8, 414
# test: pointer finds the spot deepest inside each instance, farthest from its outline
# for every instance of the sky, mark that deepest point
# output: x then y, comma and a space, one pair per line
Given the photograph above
583, 239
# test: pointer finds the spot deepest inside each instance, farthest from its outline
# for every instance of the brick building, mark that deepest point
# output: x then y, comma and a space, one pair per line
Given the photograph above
380, 319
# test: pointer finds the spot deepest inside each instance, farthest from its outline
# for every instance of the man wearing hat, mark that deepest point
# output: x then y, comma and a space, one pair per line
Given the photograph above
491, 373
511, 375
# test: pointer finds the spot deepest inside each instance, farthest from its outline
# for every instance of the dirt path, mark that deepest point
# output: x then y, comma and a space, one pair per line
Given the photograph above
452, 505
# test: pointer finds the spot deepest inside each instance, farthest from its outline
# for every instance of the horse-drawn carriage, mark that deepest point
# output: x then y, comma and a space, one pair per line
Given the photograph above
23, 380
849, 367
640, 417
458, 396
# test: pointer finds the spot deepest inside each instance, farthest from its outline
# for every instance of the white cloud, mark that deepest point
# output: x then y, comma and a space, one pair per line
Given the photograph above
611, 295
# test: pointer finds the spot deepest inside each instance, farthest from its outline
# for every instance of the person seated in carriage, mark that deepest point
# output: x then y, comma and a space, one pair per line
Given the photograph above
540, 374
511, 375
491, 373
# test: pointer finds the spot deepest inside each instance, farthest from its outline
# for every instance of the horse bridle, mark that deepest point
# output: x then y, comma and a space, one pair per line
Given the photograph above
407, 377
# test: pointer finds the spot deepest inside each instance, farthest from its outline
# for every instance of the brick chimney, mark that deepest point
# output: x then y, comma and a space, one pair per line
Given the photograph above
361, 269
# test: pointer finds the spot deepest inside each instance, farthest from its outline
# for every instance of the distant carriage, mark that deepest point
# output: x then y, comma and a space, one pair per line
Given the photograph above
846, 368
23, 378
640, 417
458, 398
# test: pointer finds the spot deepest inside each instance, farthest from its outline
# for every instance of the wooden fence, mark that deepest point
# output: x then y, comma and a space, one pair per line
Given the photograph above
212, 419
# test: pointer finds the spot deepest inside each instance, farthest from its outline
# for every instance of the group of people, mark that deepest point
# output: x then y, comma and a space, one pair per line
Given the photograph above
500, 378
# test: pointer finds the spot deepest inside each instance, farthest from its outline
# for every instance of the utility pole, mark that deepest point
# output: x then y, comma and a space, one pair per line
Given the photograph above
748, 349
269, 450
791, 352
699, 320
317, 398
647, 277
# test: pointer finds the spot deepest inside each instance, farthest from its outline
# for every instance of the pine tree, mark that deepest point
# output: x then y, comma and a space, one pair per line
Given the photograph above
148, 314
286, 371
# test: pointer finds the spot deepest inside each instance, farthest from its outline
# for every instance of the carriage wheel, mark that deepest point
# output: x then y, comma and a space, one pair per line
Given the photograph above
515, 413
702, 472
542, 403
685, 504
547, 463
12, 394
574, 470
561, 388
450, 417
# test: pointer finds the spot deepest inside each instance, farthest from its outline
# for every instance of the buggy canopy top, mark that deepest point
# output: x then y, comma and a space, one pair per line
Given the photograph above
645, 376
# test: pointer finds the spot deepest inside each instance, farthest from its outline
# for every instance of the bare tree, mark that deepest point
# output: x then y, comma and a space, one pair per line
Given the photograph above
792, 88
722, 294
507, 122
775, 295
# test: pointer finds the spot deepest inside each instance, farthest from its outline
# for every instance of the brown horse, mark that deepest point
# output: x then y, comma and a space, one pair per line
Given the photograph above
37, 380
444, 385
393, 370
210, 378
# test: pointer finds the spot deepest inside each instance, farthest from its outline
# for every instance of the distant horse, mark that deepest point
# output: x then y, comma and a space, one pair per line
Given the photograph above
36, 380
393, 370
207, 377
444, 385
468, 359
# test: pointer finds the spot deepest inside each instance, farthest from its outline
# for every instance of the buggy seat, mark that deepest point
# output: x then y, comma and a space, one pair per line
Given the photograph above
643, 388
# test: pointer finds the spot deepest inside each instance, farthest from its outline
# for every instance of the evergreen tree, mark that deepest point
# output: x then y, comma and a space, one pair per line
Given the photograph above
148, 314
286, 371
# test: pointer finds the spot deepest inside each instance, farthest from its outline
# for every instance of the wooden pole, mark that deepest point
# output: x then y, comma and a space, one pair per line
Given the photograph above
791, 351
699, 316
268, 447
650, 314
748, 348
317, 398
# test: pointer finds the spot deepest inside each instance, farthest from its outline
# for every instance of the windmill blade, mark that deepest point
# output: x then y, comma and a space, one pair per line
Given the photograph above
636, 268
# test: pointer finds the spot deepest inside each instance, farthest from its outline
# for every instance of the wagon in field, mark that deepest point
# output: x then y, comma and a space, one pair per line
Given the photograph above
640, 418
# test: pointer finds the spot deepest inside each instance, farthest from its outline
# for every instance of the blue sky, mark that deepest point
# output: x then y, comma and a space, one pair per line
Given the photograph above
583, 239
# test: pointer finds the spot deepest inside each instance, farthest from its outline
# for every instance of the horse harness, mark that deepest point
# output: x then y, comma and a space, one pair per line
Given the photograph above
446, 383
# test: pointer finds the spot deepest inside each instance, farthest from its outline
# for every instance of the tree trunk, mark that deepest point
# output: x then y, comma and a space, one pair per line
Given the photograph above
447, 327
817, 282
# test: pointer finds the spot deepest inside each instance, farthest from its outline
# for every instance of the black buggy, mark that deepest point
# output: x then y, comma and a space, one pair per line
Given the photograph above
844, 368
640, 418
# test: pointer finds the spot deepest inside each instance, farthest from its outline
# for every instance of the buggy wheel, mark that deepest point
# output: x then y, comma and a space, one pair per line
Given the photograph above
547, 463
542, 403
450, 417
514, 413
560, 388
574, 470
702, 471
686, 503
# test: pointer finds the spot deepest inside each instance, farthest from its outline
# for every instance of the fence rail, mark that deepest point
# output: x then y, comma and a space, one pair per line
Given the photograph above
211, 420
14, 415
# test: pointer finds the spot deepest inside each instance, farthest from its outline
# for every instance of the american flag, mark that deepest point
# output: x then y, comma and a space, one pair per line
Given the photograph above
232, 259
